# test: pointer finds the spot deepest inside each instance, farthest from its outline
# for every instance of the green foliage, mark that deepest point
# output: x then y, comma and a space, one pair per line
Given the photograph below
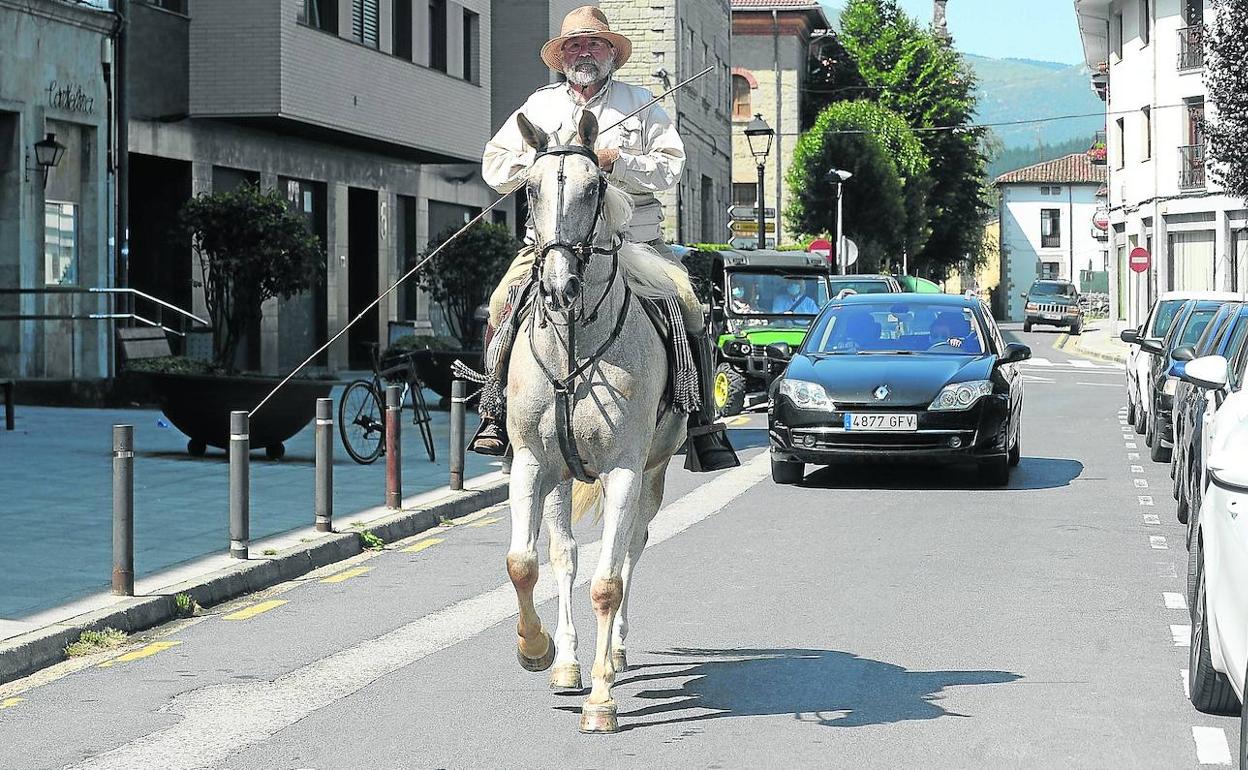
197, 366
253, 247
91, 642
371, 541
1226, 75
461, 277
184, 605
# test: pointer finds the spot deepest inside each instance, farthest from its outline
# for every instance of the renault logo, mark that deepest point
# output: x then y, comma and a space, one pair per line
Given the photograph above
881, 393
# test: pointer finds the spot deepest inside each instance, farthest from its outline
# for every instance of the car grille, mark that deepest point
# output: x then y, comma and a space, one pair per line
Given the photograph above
888, 441
1048, 307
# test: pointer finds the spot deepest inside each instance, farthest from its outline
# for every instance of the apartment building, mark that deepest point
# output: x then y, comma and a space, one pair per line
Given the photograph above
1147, 58
770, 48
1048, 227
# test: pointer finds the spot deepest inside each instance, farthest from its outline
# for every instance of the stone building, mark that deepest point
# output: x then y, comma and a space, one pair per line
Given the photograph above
770, 48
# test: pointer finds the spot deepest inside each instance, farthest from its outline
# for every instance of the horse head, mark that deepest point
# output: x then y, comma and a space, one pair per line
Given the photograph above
567, 191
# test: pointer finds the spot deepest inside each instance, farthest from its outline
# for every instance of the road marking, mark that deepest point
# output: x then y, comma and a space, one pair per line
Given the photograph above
1158, 542
1133, 455
428, 542
1034, 378
1182, 635
1187, 690
1137, 468
1101, 384
1174, 601
247, 613
346, 575
220, 721
1211, 747
1131, 445
1141, 483
1151, 518
146, 651
486, 522
1146, 500
9, 703
1082, 364
1036, 361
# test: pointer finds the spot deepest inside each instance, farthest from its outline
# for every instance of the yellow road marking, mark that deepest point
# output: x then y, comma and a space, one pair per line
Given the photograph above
428, 542
8, 703
255, 609
346, 575
146, 651
1060, 342
485, 522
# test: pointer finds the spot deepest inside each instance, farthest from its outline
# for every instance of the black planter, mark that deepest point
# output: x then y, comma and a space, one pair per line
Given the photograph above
434, 367
200, 406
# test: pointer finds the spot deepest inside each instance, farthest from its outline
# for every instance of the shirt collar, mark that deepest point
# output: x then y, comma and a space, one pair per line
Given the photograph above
600, 96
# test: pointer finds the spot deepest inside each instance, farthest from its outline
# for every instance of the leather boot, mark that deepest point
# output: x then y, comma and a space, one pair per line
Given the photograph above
490, 439
707, 448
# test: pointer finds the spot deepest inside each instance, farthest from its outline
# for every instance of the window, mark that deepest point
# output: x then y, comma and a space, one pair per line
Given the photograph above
1121, 135
1116, 34
60, 243
401, 23
741, 108
744, 193
708, 209
1049, 271
322, 14
706, 59
1145, 22
1050, 191
437, 34
471, 25
1147, 114
177, 6
1050, 228
365, 16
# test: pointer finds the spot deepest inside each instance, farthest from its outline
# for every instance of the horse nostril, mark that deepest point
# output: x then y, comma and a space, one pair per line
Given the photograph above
572, 289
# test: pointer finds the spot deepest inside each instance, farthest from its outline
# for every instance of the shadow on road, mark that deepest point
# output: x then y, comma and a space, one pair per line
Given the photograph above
825, 687
1031, 473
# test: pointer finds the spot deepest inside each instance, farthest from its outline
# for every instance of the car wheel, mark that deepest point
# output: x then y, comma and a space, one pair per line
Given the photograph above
1210, 690
787, 472
1140, 423
1156, 451
730, 387
995, 471
1194, 559
1016, 453
1181, 511
1076, 329
1243, 731
1026, 326
1130, 411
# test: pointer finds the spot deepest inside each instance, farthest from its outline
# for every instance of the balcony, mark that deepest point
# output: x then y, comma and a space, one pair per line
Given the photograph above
1098, 152
1192, 167
1191, 48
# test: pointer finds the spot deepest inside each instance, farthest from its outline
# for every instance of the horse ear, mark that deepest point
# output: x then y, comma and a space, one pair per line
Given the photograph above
532, 136
587, 129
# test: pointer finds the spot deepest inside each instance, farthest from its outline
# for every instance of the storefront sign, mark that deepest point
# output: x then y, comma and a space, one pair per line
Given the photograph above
70, 97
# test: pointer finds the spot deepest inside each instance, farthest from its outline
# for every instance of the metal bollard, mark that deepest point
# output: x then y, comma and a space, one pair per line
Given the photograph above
324, 465
394, 457
123, 510
240, 484
458, 405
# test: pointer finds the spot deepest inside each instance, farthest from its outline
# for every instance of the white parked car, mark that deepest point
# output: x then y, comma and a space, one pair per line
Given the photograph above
1155, 326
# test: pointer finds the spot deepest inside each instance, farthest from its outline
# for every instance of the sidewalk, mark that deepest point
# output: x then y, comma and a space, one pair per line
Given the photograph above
1099, 341
56, 510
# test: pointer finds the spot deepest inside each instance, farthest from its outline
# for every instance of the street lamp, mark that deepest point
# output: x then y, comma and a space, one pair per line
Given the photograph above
48, 154
838, 177
759, 135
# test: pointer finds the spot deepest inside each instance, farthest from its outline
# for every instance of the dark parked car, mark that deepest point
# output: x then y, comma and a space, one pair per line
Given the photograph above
899, 376
865, 284
1053, 303
1189, 324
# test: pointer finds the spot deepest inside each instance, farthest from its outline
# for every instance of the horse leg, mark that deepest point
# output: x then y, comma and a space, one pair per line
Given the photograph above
621, 488
652, 485
535, 649
566, 675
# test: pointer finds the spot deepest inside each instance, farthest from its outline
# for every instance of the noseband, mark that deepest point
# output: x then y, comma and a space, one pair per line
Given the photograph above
583, 250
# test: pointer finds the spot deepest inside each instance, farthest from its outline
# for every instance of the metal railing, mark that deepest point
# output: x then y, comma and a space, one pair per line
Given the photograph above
1192, 167
129, 299
1191, 48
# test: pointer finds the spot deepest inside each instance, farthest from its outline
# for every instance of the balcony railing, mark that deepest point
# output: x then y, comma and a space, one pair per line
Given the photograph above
1192, 167
1191, 48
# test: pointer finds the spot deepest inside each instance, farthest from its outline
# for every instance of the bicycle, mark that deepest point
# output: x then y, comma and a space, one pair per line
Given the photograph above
361, 411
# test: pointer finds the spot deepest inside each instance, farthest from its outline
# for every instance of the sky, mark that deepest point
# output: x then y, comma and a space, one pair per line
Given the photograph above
1021, 29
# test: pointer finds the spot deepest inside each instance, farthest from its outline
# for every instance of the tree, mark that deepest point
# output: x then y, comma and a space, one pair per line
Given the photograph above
920, 77
252, 248
885, 206
460, 278
1226, 76
831, 76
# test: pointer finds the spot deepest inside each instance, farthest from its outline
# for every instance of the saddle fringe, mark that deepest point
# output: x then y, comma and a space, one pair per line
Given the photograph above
587, 498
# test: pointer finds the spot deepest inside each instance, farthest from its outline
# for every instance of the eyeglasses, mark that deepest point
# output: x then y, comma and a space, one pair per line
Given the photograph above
594, 45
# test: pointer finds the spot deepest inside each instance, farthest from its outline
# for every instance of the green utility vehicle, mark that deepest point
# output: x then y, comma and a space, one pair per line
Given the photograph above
761, 305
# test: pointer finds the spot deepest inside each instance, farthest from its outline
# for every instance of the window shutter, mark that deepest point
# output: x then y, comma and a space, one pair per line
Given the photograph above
365, 21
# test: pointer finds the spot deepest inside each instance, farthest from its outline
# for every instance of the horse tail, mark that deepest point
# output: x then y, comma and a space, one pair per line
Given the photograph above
586, 498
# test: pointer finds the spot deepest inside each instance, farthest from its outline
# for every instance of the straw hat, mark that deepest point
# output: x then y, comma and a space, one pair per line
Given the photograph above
586, 20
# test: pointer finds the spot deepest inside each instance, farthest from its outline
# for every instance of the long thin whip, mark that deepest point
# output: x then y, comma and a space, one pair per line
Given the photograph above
443, 245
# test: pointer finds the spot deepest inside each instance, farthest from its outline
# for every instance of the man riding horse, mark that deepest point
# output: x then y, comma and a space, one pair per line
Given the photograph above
643, 155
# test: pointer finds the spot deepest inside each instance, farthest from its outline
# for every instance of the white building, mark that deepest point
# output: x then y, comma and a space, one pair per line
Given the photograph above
1147, 60
1047, 230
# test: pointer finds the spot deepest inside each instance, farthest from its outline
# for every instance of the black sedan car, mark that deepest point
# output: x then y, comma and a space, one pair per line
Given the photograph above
899, 376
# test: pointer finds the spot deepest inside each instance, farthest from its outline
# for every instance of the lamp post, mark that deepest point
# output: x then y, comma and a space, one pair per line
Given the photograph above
48, 154
759, 135
838, 177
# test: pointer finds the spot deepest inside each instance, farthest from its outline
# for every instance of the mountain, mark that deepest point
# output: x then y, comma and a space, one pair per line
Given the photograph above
1021, 89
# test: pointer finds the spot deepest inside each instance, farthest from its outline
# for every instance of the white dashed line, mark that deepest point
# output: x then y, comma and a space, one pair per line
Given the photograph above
1174, 601
1151, 518
1145, 500
1040, 362
1182, 635
1133, 455
1187, 690
1132, 445
1137, 468
1211, 746
1141, 483
1158, 542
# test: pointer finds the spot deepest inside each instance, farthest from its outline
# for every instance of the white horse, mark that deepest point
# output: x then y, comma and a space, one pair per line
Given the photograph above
621, 432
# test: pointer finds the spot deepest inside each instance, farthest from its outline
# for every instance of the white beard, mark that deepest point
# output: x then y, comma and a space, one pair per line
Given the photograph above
586, 71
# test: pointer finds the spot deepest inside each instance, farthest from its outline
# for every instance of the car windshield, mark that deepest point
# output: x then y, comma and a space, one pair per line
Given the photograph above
763, 294
895, 328
1196, 324
1064, 290
1164, 317
861, 286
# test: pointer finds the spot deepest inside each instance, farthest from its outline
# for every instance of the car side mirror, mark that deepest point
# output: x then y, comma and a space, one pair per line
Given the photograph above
1151, 346
1176, 369
1130, 336
1013, 353
1185, 353
1022, 294
780, 350
1207, 372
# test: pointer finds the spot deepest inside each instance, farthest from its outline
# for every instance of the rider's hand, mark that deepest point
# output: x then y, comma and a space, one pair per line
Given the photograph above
607, 157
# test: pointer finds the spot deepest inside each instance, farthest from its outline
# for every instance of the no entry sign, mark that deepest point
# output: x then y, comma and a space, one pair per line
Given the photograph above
1139, 260
821, 246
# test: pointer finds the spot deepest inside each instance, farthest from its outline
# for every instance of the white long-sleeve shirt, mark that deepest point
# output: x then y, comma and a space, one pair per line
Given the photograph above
652, 156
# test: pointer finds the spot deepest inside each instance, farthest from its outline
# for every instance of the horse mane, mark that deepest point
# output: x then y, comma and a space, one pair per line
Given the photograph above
646, 272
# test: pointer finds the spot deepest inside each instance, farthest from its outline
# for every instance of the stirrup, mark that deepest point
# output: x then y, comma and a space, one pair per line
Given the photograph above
708, 449
490, 439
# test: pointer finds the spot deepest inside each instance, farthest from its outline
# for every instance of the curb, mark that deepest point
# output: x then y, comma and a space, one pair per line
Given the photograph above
1102, 356
26, 654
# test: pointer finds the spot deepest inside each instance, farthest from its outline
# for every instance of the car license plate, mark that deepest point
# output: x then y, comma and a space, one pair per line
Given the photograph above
1053, 316
881, 422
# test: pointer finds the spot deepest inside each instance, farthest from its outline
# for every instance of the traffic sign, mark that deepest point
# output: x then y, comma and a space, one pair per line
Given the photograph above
820, 246
851, 253
749, 227
747, 242
1140, 260
745, 213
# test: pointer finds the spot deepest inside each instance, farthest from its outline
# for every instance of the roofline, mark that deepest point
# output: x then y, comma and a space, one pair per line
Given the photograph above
813, 8
1092, 16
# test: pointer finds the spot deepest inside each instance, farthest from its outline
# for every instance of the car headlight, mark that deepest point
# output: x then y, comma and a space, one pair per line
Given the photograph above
739, 348
806, 395
960, 395
1170, 385
1032, 306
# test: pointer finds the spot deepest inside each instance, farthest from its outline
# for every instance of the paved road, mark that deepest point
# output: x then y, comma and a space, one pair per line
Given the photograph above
874, 616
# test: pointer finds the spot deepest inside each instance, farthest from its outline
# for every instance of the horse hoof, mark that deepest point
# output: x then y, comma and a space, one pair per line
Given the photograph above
566, 677
599, 718
541, 662
619, 661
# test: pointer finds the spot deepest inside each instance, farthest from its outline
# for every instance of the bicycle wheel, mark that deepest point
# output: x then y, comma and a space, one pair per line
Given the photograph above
360, 422
421, 418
